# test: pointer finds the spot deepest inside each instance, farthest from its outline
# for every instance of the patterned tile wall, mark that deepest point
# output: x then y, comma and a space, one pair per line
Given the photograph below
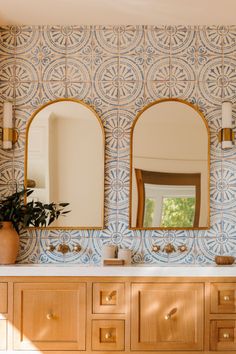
118, 70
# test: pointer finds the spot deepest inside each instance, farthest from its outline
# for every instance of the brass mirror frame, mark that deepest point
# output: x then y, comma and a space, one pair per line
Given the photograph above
131, 165
26, 162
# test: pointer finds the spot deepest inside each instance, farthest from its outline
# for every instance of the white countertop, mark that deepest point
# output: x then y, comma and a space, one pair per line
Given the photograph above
145, 270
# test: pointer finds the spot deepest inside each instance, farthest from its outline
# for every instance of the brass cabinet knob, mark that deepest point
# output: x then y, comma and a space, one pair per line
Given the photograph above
226, 335
108, 298
170, 314
169, 248
108, 335
226, 298
49, 316
63, 248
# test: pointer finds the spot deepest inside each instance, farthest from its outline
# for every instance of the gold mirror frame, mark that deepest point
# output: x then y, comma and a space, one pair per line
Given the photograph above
131, 165
26, 162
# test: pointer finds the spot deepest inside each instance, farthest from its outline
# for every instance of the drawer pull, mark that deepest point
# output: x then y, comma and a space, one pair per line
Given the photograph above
226, 335
109, 297
108, 335
170, 314
226, 298
50, 316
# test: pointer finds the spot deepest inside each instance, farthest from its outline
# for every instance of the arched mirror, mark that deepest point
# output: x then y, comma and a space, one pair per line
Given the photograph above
64, 161
170, 160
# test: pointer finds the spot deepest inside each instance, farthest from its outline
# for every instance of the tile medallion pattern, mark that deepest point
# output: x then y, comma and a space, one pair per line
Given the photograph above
118, 70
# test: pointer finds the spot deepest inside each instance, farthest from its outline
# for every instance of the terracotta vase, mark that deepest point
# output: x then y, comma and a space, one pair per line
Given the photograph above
9, 243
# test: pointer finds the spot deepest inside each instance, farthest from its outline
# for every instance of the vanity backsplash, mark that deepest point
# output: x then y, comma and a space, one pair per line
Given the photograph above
119, 70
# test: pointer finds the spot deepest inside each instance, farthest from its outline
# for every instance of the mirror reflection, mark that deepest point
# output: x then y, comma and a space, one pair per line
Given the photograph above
170, 167
65, 161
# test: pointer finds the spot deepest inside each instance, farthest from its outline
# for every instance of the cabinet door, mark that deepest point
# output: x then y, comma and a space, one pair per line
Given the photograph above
167, 316
49, 316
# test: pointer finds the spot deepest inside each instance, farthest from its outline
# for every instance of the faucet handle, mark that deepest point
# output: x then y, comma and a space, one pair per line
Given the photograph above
63, 248
169, 248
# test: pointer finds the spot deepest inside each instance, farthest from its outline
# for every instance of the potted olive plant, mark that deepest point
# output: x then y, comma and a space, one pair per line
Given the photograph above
16, 213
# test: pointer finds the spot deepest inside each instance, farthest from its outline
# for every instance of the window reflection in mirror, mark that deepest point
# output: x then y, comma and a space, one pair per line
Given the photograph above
64, 161
170, 167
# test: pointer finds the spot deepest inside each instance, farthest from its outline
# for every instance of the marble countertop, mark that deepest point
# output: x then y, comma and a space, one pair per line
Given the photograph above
145, 270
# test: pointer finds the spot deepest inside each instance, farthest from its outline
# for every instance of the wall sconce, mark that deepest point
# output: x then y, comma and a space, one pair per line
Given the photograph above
226, 134
9, 134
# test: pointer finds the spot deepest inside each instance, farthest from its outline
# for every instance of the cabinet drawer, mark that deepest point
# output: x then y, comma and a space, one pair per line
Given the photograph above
3, 335
223, 297
3, 297
167, 316
223, 335
108, 298
49, 316
108, 335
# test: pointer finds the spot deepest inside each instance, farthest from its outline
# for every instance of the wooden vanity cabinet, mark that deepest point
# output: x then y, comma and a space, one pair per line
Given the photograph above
49, 316
117, 315
167, 316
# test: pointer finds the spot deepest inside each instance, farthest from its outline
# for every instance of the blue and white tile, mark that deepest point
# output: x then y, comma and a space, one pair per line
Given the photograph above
7, 78
125, 121
211, 38
106, 83
106, 39
158, 79
158, 40
182, 79
130, 81
130, 39
229, 39
69, 238
123, 184
224, 183
21, 116
26, 38
78, 39
183, 39
55, 38
119, 235
218, 80
216, 185
8, 40
154, 238
110, 122
11, 177
29, 249
229, 87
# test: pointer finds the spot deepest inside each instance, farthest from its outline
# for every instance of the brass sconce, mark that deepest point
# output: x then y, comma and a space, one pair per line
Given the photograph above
226, 134
8, 133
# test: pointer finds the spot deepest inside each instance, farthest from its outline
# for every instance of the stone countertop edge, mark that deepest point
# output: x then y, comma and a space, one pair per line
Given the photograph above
153, 270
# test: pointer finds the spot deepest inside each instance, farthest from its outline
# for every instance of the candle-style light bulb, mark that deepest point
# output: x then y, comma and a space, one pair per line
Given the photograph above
7, 125
227, 122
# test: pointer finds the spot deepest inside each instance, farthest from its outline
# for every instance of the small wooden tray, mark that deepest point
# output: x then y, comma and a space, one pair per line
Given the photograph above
113, 262
224, 260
